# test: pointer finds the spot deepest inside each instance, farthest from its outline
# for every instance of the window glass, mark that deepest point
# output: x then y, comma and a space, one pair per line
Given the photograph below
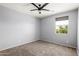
62, 26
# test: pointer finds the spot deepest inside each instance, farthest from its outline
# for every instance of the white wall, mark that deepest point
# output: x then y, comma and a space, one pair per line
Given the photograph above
49, 34
17, 28
78, 35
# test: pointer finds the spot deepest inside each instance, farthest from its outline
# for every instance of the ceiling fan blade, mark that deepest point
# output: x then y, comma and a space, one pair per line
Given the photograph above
33, 9
35, 5
44, 5
45, 9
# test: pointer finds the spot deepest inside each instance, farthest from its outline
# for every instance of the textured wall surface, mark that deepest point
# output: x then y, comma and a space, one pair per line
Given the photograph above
49, 34
78, 34
17, 28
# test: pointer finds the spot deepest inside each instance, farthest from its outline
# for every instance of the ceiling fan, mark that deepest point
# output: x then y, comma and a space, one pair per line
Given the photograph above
39, 7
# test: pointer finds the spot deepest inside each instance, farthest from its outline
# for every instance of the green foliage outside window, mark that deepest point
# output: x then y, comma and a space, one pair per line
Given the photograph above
62, 29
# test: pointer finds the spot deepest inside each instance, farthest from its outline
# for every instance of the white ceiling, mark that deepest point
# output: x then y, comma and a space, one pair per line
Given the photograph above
53, 7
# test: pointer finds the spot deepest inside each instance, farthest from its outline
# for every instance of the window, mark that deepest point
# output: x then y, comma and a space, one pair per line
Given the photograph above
62, 25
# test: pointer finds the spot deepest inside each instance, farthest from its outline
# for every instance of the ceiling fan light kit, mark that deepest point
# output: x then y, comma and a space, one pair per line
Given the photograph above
39, 7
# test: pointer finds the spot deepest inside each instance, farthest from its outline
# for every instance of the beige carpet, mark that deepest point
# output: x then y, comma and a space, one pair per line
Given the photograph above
39, 48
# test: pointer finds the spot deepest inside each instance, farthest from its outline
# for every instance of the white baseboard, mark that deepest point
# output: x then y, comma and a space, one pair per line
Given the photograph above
17, 45
59, 44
